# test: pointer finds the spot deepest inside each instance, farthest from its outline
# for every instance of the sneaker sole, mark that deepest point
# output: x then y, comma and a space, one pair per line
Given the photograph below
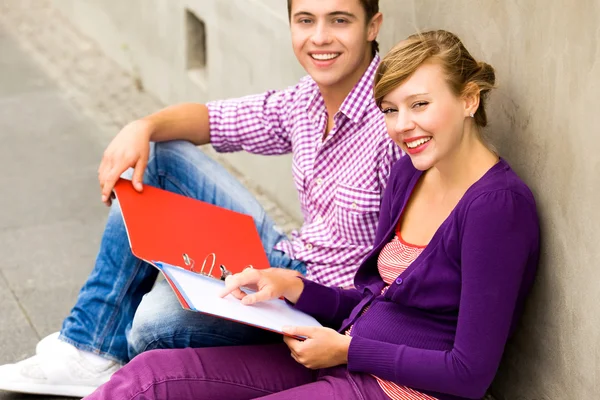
47, 389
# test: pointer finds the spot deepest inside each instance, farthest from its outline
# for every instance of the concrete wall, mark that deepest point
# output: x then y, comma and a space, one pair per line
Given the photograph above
544, 120
248, 51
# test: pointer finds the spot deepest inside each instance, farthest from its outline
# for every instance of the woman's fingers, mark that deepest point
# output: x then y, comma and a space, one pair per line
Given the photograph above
264, 294
238, 294
236, 281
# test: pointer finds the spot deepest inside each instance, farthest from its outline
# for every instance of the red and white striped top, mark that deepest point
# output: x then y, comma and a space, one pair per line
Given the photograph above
394, 258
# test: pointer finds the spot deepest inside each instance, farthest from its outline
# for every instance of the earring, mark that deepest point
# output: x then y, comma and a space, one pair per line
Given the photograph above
472, 115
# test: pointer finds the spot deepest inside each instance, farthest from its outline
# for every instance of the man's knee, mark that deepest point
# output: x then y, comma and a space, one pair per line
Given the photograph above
174, 151
154, 320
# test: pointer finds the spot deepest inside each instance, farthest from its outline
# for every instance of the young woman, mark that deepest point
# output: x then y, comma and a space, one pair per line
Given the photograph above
455, 255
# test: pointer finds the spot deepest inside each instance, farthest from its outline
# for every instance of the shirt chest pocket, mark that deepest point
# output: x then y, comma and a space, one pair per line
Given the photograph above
356, 214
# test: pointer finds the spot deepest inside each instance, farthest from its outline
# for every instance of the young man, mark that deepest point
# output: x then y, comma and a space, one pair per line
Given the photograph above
342, 157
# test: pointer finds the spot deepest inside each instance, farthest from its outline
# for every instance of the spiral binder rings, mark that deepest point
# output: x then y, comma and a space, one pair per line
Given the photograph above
191, 265
169, 228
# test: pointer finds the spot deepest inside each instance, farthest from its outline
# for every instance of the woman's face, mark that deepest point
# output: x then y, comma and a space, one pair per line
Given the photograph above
425, 118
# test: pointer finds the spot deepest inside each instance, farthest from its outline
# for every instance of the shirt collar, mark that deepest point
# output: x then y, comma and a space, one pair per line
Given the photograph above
315, 105
355, 104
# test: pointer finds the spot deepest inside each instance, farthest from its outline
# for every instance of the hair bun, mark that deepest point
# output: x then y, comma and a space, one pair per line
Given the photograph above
486, 73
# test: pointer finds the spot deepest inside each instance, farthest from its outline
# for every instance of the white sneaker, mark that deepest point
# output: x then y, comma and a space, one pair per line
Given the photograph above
59, 369
46, 343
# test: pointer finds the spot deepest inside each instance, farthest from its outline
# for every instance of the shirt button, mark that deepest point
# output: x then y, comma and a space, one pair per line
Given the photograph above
354, 206
319, 218
319, 181
309, 246
399, 281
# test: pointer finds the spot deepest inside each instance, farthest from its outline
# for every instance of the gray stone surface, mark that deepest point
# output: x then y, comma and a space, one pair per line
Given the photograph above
101, 89
153, 47
51, 215
61, 100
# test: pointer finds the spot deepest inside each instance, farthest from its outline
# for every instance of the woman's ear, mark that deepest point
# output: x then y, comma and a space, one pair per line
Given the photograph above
471, 96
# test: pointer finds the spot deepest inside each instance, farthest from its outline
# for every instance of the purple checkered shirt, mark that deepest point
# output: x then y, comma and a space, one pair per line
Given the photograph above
340, 180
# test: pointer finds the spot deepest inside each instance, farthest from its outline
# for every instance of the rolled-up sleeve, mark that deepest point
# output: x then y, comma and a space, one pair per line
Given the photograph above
259, 124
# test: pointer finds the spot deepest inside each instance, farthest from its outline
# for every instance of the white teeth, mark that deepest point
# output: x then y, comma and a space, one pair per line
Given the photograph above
418, 142
324, 57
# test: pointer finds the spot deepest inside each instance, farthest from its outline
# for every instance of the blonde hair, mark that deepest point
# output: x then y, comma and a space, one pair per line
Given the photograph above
463, 73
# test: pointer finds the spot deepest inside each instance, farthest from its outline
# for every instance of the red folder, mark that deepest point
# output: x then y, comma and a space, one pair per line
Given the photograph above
185, 232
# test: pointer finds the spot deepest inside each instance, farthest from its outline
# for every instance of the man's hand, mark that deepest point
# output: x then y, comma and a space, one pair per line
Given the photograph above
271, 283
323, 347
129, 149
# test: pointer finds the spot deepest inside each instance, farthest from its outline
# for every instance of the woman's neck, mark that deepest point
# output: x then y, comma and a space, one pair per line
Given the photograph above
465, 166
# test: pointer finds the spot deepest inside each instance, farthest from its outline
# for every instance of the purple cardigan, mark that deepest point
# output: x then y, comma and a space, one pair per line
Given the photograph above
442, 325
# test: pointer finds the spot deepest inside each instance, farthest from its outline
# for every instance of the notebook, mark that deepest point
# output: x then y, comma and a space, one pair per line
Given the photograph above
195, 244
201, 293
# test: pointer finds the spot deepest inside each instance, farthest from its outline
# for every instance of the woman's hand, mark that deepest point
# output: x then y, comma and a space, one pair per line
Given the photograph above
271, 283
129, 149
322, 348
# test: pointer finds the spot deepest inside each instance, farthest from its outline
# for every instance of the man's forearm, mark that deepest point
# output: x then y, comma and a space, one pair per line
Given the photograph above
186, 121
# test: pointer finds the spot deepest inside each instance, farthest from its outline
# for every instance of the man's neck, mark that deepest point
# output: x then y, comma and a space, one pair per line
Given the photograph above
334, 96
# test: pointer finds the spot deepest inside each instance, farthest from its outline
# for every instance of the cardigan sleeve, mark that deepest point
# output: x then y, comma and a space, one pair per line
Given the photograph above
330, 306
499, 241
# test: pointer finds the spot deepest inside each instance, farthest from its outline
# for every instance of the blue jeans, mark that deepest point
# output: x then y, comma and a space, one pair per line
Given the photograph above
108, 318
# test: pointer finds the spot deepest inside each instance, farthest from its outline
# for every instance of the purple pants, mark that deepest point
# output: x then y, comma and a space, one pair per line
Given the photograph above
241, 372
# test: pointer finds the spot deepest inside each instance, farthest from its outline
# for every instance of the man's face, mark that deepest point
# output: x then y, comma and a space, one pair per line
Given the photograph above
331, 40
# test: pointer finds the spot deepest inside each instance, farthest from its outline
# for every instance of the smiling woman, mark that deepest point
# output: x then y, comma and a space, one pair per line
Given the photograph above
432, 92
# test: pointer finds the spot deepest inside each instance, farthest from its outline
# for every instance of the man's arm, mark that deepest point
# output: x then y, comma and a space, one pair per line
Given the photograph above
257, 124
131, 147
186, 121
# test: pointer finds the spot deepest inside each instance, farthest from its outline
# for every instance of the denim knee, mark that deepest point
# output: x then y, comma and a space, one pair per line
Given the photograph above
170, 148
154, 321
181, 156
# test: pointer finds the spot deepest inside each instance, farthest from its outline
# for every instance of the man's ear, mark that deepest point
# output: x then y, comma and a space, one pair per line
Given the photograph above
374, 26
471, 97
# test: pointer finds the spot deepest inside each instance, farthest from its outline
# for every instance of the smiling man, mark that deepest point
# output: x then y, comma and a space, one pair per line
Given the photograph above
342, 157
